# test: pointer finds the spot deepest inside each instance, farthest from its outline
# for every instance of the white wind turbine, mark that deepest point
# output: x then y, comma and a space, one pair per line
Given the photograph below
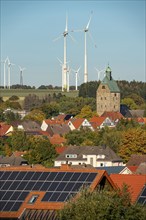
85, 30
9, 72
62, 65
68, 73
21, 74
4, 62
77, 74
65, 33
99, 72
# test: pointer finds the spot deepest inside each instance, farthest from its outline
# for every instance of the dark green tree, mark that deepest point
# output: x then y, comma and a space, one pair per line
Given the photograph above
41, 151
50, 110
18, 141
103, 205
11, 116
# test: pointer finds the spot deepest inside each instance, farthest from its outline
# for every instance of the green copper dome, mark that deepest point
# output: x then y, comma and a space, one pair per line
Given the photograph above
108, 69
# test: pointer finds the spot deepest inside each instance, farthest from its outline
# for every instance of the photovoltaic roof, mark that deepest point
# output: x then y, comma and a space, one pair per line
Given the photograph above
58, 186
142, 197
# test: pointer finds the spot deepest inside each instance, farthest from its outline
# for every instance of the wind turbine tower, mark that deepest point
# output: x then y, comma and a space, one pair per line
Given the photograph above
4, 62
85, 30
68, 73
62, 67
76, 75
9, 72
65, 33
21, 75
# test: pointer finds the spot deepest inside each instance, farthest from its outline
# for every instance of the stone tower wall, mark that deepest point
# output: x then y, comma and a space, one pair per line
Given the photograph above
106, 100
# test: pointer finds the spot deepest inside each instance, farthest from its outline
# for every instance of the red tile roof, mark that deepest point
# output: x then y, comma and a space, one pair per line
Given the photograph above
132, 168
141, 120
19, 153
98, 120
4, 129
45, 133
135, 183
77, 122
59, 150
113, 115
50, 121
57, 139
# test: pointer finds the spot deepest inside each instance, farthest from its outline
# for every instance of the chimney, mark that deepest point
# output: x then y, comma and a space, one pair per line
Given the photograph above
65, 166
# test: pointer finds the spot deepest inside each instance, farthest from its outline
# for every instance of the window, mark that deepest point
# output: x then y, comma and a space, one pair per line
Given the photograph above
103, 87
100, 156
101, 164
33, 199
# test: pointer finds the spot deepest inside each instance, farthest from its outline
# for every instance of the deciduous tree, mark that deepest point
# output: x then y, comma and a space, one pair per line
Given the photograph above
133, 142
103, 205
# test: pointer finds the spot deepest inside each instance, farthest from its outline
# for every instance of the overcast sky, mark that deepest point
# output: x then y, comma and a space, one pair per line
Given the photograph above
29, 27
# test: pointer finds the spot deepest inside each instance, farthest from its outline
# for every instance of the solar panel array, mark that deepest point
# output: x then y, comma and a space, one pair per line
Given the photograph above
142, 197
59, 186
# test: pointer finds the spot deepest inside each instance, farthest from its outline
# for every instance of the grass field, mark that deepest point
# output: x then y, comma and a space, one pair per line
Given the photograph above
21, 93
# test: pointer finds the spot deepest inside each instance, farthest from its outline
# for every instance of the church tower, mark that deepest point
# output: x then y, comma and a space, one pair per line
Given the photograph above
108, 94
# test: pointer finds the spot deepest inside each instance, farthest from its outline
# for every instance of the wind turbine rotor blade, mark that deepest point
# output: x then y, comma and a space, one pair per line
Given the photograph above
66, 26
96, 69
59, 61
92, 39
78, 69
57, 38
77, 30
72, 38
87, 27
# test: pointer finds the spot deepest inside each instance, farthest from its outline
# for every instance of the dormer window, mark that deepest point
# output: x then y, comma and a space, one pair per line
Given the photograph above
33, 199
100, 156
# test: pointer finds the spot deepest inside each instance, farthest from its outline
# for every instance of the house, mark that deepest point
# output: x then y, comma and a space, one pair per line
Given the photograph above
141, 169
133, 181
12, 161
136, 160
5, 129
48, 122
141, 121
27, 125
112, 169
78, 123
56, 139
108, 94
138, 113
128, 170
101, 122
97, 156
113, 116
37, 192
125, 111
60, 129
64, 117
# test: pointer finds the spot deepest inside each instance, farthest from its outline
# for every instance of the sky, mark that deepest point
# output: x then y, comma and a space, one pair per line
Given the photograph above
29, 27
